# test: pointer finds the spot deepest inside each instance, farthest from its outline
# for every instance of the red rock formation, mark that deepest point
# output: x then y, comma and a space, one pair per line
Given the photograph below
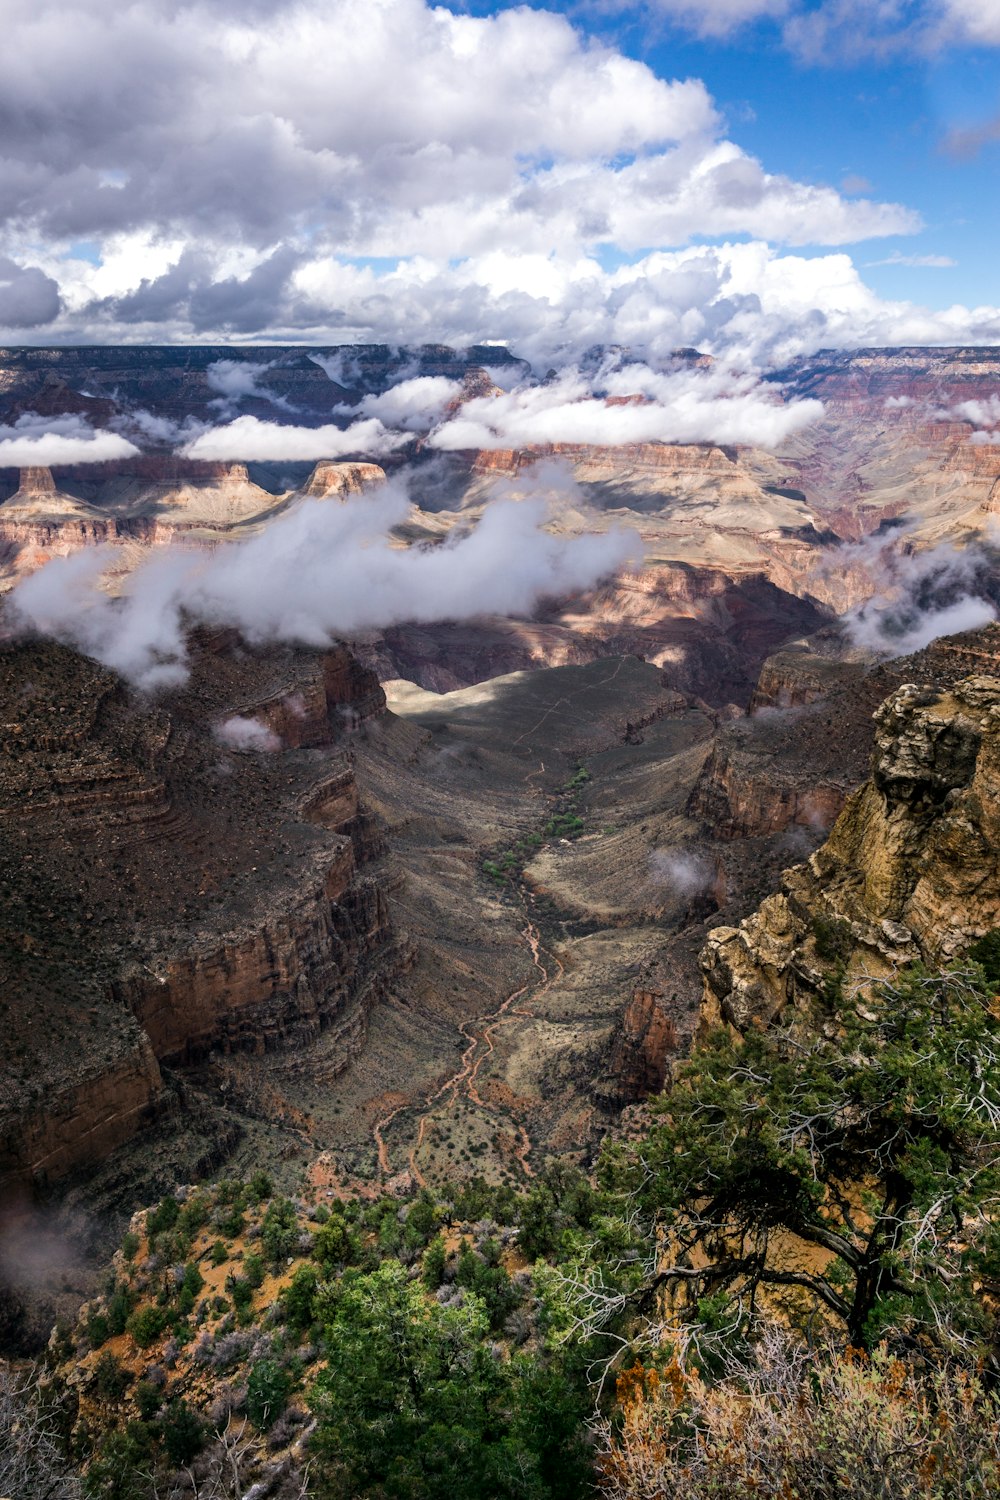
80, 1123
642, 1043
738, 798
285, 979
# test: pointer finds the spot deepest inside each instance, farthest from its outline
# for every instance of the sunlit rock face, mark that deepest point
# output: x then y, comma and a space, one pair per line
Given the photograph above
910, 870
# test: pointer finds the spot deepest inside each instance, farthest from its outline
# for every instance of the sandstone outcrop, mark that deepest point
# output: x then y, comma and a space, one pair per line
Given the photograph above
911, 869
40, 521
337, 481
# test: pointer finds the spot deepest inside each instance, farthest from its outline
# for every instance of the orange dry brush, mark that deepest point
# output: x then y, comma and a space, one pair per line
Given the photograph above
793, 1423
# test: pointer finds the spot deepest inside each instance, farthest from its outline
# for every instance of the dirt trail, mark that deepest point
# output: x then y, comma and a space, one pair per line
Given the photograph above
564, 702
479, 1036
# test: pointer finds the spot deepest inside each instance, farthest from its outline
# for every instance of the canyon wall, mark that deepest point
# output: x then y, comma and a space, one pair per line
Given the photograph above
209, 902
910, 871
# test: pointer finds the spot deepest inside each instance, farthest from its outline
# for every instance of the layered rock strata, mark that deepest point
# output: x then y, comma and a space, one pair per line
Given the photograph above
168, 899
910, 871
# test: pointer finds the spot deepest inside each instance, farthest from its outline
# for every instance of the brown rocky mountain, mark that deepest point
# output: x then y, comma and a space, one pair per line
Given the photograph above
433, 901
908, 872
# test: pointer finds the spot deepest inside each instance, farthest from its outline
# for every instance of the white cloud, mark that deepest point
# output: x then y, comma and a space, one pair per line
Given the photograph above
684, 873
837, 28
237, 379
414, 405
388, 170
224, 178
972, 21
249, 438
745, 299
34, 440
239, 733
683, 406
916, 597
935, 262
982, 413
316, 573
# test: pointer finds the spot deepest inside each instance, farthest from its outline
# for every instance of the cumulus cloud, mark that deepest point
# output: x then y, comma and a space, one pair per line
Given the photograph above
316, 573
230, 185
746, 302
441, 178
249, 438
28, 297
680, 406
46, 441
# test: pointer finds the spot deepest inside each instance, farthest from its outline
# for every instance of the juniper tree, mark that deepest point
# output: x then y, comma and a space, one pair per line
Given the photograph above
873, 1145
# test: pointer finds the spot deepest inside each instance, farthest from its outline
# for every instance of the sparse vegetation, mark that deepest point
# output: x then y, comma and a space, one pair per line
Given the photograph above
459, 1343
506, 866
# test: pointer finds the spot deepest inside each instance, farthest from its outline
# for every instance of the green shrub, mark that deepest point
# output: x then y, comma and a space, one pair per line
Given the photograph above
110, 1377
194, 1281
986, 952
146, 1324
148, 1398
259, 1187
195, 1214
279, 1232
433, 1264
184, 1433
253, 1270
298, 1300
120, 1305
241, 1292
164, 1216
98, 1329
833, 939
267, 1393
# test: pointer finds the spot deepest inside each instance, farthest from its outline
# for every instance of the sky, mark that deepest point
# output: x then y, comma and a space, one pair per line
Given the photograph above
756, 178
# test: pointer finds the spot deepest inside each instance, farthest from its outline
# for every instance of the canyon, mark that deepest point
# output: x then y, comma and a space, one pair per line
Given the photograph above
464, 891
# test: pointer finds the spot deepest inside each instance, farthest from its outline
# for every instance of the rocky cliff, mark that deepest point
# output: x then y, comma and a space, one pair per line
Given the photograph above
170, 897
910, 871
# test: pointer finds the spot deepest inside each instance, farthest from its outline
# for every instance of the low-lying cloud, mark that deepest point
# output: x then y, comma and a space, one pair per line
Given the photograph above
317, 573
44, 441
236, 380
918, 596
684, 874
414, 405
680, 406
620, 403
248, 439
239, 733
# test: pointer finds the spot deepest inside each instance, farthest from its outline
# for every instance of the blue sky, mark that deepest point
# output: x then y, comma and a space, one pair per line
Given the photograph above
758, 177
849, 119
